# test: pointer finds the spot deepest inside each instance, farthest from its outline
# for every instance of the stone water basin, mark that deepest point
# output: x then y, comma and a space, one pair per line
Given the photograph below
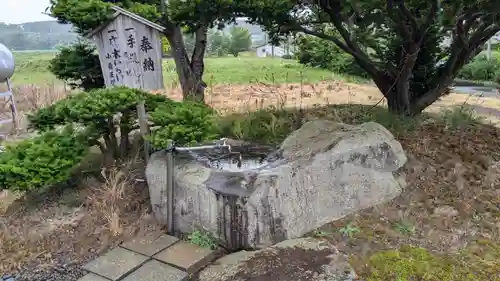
321, 173
211, 189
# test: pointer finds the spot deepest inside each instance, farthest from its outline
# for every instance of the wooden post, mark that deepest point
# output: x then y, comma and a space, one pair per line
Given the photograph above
13, 107
170, 188
488, 49
144, 128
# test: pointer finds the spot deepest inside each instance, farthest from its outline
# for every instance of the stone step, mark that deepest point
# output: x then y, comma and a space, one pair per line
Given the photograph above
150, 258
154, 270
187, 256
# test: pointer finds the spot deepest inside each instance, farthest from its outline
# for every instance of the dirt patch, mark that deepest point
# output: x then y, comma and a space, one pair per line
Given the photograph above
452, 198
48, 236
285, 264
237, 98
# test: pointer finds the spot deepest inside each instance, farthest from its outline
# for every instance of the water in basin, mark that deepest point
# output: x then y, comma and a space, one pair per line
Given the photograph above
242, 158
236, 165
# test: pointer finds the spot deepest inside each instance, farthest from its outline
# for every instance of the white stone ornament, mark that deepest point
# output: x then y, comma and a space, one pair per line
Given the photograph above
7, 63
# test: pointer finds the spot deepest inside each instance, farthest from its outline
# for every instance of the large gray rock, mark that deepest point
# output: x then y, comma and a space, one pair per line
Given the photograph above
303, 259
325, 171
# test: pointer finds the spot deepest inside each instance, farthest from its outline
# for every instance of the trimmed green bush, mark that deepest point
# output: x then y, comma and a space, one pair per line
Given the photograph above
265, 126
79, 65
186, 123
103, 112
42, 161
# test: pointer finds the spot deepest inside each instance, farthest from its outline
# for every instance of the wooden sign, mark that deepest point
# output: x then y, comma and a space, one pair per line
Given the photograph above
130, 51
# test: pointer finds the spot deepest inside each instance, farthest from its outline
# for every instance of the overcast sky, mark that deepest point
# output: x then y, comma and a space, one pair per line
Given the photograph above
19, 11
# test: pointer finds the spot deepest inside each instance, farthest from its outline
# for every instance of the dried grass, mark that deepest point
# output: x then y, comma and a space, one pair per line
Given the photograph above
104, 211
112, 196
28, 98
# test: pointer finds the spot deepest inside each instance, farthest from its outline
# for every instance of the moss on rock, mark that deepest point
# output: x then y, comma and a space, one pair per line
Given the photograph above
479, 261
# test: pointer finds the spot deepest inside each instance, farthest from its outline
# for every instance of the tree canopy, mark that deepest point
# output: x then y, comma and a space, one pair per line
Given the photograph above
240, 40
411, 49
177, 16
43, 35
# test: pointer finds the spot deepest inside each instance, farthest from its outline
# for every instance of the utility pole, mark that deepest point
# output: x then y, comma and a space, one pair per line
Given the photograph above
488, 50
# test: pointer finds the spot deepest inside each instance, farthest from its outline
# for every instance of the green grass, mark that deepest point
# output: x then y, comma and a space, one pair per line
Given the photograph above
31, 68
245, 70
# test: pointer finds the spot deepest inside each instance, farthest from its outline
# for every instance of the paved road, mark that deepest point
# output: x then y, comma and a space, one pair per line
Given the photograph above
484, 92
478, 91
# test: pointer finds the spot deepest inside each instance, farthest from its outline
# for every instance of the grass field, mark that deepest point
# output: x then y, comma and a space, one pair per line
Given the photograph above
32, 69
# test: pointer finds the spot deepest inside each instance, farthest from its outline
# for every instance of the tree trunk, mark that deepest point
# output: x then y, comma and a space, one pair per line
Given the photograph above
397, 102
198, 56
192, 86
125, 128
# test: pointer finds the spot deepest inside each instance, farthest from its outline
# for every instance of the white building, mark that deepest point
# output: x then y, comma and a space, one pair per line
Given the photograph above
268, 50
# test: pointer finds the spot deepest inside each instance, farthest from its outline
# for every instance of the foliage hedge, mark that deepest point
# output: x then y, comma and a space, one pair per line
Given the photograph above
42, 161
99, 115
78, 64
482, 69
186, 123
103, 112
316, 52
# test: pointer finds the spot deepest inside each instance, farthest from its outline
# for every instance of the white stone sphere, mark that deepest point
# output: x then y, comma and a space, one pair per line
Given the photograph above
7, 63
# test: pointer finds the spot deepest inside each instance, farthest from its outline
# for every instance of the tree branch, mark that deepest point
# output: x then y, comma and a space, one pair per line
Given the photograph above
428, 22
333, 10
458, 58
408, 16
400, 25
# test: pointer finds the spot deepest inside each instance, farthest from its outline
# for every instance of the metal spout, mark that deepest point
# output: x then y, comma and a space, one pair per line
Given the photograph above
222, 143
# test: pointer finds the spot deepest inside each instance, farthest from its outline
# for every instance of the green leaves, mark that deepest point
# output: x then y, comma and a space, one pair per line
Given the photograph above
84, 15
102, 112
240, 40
42, 161
185, 123
92, 108
316, 52
79, 65
481, 69
219, 43
194, 13
89, 14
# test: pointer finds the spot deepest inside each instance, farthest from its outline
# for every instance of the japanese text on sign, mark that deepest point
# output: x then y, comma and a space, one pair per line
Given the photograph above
114, 58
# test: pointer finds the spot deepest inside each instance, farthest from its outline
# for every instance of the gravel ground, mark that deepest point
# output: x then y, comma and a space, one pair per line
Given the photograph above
61, 270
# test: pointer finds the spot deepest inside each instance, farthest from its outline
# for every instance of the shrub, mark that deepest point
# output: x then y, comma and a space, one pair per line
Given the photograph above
265, 126
186, 123
79, 65
316, 52
460, 117
103, 112
481, 69
287, 57
43, 161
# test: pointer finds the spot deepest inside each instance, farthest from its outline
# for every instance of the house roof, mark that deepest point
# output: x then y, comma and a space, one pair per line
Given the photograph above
262, 45
121, 11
